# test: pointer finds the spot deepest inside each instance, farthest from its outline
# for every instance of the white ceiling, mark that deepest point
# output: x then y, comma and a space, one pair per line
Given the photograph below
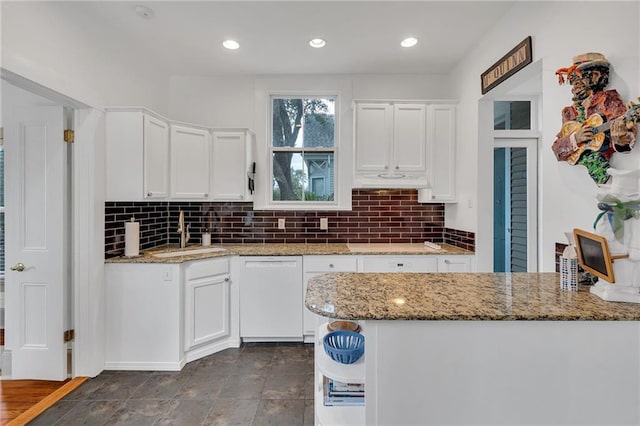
184, 38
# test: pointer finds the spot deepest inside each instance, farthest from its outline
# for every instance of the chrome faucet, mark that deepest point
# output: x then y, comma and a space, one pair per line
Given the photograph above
184, 234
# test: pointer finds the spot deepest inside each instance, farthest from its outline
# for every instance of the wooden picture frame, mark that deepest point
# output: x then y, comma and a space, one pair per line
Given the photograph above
593, 254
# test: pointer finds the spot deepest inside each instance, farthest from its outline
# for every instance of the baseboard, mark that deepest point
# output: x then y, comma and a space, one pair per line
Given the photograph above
1, 336
212, 348
271, 339
144, 366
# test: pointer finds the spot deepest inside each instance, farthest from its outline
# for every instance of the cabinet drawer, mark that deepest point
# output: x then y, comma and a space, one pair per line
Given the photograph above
399, 264
206, 268
330, 264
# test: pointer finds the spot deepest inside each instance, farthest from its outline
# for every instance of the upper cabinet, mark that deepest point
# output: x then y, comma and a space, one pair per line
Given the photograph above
406, 144
156, 157
151, 158
233, 167
190, 162
442, 156
137, 155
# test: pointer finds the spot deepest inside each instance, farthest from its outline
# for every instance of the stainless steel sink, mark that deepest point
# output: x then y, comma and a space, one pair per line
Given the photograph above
177, 253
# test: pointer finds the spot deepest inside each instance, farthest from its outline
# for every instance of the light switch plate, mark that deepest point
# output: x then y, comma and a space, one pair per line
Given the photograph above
281, 224
324, 223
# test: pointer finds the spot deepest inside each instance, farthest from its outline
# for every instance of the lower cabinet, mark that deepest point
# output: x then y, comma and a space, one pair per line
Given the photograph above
455, 264
161, 316
316, 265
207, 302
417, 263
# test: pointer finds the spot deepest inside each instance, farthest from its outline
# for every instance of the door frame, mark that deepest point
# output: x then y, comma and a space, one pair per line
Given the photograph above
87, 227
531, 145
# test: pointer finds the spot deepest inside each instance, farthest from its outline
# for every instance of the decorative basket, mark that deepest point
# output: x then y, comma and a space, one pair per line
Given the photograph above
345, 347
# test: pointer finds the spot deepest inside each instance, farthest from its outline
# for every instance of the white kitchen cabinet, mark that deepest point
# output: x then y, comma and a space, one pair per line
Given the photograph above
207, 302
161, 316
442, 156
270, 294
316, 265
190, 162
390, 144
143, 317
137, 155
457, 263
232, 162
408, 263
373, 134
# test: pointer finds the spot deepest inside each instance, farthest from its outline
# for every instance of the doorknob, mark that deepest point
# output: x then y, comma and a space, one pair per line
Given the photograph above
18, 267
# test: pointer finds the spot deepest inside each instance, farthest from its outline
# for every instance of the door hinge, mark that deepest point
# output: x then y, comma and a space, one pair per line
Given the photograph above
69, 136
69, 335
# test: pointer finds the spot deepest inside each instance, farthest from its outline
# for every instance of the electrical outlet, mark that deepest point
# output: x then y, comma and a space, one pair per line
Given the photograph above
324, 223
281, 224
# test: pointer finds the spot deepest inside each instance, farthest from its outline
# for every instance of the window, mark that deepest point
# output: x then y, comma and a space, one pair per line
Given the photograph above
512, 115
303, 134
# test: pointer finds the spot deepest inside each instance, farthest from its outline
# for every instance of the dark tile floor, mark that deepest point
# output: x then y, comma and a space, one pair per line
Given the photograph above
257, 384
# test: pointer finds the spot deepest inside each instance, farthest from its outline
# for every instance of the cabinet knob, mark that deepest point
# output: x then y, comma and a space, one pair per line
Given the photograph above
227, 279
331, 265
397, 167
206, 195
386, 167
149, 194
447, 261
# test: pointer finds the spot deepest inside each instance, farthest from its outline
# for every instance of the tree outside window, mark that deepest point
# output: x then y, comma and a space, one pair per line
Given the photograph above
303, 149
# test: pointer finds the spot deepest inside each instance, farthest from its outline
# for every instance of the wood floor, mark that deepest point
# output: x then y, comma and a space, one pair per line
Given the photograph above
22, 400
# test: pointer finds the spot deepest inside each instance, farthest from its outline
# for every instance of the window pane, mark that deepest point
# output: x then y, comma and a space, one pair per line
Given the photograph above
320, 171
512, 115
303, 177
303, 122
289, 179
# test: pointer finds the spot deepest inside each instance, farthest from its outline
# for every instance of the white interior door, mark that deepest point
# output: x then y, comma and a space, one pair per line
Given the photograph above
36, 253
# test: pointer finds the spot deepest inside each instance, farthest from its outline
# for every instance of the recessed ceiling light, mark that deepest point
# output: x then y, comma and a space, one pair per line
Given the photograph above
409, 42
144, 12
231, 44
317, 43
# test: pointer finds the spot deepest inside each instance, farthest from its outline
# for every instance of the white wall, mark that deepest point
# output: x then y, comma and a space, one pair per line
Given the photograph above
46, 42
559, 31
229, 101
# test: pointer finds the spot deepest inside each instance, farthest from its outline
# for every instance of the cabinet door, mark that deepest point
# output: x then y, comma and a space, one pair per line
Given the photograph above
399, 264
409, 138
190, 159
442, 150
206, 310
373, 134
229, 170
455, 264
156, 158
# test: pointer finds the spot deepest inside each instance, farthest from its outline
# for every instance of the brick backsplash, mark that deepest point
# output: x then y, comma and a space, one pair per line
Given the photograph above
377, 216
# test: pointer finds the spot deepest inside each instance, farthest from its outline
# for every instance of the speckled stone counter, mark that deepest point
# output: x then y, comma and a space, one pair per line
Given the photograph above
288, 250
457, 296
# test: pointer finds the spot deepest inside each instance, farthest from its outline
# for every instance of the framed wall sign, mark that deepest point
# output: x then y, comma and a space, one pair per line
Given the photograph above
517, 58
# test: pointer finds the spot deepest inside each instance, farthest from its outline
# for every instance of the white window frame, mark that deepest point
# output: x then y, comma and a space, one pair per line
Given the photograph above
342, 197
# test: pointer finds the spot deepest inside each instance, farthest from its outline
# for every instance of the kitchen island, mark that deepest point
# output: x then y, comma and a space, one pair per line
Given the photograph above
484, 348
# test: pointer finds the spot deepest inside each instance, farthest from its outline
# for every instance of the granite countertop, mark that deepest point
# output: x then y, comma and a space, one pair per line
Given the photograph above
287, 250
457, 296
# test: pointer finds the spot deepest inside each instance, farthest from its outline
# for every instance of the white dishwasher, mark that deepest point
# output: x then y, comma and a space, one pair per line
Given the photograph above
270, 295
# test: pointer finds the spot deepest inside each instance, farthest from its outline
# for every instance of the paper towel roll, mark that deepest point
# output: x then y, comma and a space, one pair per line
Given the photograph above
131, 239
